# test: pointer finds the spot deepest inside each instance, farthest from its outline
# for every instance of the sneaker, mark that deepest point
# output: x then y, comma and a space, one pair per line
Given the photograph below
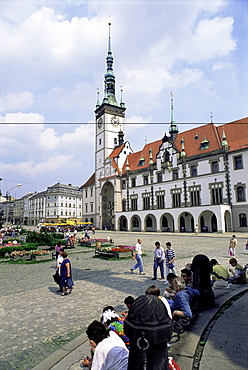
154, 278
161, 279
142, 273
131, 271
166, 282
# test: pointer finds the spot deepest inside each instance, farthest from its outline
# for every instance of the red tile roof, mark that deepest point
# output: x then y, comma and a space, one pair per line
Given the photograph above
134, 159
117, 151
90, 181
236, 134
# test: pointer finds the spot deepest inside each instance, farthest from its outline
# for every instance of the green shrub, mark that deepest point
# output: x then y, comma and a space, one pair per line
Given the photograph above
45, 238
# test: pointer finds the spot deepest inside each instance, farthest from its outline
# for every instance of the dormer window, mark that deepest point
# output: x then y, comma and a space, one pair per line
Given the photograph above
204, 144
141, 161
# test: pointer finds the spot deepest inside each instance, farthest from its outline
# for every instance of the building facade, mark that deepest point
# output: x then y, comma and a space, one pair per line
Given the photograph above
57, 203
194, 179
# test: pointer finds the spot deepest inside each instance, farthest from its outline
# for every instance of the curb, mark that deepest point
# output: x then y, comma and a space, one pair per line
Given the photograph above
61, 353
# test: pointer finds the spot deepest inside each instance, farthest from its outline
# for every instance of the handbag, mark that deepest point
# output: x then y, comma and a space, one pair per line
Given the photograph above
56, 277
69, 283
171, 265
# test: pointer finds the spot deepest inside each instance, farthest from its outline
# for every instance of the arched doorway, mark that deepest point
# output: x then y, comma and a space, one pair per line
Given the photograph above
150, 223
123, 223
214, 224
182, 224
227, 219
186, 222
166, 222
108, 212
208, 222
135, 223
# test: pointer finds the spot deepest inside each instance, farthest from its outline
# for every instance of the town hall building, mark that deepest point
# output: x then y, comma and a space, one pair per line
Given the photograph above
196, 179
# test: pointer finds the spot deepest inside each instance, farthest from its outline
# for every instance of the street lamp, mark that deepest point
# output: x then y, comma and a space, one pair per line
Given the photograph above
7, 197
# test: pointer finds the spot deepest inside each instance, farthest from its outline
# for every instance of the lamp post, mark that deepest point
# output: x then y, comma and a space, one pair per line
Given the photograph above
7, 198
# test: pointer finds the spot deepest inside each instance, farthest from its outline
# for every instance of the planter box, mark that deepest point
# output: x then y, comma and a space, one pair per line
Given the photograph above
124, 254
46, 257
109, 254
18, 258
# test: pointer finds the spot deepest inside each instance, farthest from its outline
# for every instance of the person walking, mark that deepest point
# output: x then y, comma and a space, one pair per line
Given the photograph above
66, 275
158, 261
233, 246
170, 257
138, 257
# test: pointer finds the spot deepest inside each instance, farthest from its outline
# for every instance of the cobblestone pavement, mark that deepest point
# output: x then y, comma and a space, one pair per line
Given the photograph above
36, 321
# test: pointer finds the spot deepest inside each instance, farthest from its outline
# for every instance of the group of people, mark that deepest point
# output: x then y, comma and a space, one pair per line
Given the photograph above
113, 339
160, 256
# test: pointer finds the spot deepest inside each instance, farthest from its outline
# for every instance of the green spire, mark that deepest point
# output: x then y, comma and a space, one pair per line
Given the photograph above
109, 77
224, 141
173, 127
183, 153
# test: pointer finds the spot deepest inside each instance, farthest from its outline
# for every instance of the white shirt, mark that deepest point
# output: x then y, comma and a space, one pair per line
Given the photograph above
59, 261
138, 248
110, 354
165, 302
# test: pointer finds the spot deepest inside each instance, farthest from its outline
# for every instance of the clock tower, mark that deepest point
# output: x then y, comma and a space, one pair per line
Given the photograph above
110, 120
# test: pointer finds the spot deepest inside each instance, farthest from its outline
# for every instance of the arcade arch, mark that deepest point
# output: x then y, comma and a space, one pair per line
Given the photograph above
166, 222
108, 215
186, 222
150, 223
123, 225
135, 223
208, 222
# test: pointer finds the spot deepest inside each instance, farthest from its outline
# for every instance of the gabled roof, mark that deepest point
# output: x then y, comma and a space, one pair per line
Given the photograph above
117, 151
134, 159
236, 134
90, 181
194, 137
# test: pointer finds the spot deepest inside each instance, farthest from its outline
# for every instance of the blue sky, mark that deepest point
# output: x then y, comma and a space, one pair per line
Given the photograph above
53, 60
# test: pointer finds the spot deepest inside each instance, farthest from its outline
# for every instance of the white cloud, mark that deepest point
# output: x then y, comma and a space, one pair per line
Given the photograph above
212, 38
221, 65
19, 101
32, 169
22, 118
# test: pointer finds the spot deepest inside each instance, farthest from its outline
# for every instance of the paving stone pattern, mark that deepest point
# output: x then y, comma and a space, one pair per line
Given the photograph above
36, 321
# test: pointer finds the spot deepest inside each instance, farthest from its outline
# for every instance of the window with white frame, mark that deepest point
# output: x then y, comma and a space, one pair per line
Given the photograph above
216, 190
238, 162
176, 197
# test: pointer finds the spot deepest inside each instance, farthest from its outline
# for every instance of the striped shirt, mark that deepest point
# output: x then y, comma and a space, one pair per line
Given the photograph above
170, 254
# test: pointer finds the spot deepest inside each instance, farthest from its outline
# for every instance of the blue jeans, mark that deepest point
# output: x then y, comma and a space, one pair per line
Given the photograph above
138, 264
160, 265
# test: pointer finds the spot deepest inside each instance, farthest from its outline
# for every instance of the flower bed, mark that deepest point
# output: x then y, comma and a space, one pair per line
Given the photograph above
38, 255
119, 251
21, 255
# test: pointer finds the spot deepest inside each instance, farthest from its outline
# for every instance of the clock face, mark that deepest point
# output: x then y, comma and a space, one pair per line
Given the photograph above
115, 120
99, 122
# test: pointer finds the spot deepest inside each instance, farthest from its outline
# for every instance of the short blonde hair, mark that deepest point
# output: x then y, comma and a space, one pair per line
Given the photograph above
179, 283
